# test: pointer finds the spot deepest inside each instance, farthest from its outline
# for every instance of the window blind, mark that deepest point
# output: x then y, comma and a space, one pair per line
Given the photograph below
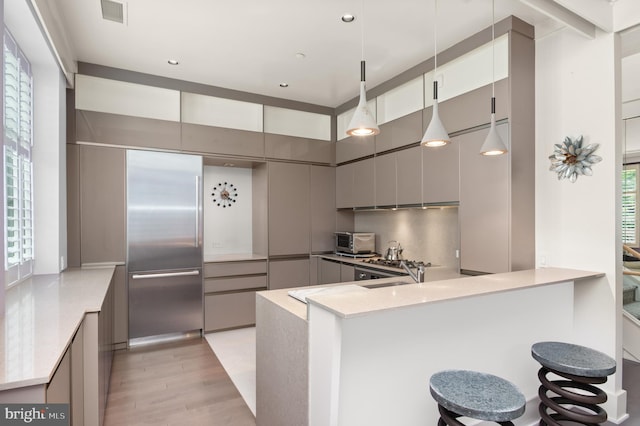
18, 167
630, 204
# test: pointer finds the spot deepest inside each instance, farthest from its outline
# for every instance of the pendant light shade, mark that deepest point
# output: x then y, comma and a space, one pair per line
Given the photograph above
436, 134
493, 144
363, 123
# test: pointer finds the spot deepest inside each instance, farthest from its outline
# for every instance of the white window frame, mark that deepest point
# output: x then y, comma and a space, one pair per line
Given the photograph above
17, 163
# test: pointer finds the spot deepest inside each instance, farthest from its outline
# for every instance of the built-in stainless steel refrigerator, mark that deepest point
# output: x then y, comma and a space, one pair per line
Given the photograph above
164, 244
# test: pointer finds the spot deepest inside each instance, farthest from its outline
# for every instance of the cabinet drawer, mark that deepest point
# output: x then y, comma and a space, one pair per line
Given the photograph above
225, 269
229, 310
234, 283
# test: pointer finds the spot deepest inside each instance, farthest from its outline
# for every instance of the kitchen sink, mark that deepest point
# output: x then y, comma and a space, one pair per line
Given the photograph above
391, 284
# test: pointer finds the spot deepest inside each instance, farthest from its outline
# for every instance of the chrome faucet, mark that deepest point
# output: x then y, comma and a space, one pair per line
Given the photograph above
418, 276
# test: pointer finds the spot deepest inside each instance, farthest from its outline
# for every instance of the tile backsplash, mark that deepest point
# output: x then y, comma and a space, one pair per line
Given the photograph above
431, 235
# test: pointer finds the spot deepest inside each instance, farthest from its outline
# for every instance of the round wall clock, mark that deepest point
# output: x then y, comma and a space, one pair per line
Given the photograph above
224, 194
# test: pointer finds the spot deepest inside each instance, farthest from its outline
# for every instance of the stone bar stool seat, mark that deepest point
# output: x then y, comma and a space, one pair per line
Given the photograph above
582, 367
476, 395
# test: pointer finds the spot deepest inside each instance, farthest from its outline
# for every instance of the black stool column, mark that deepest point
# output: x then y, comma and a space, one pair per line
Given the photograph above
583, 368
476, 395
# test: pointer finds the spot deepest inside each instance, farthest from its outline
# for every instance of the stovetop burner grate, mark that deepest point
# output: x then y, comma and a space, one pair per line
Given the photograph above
396, 263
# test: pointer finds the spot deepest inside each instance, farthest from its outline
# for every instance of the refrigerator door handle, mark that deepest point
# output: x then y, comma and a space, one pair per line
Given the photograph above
197, 239
165, 275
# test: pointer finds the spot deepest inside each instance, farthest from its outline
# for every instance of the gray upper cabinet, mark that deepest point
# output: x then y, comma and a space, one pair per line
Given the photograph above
289, 209
385, 180
354, 147
344, 186
295, 148
441, 173
323, 208
124, 130
484, 205
102, 204
363, 183
409, 173
400, 132
220, 140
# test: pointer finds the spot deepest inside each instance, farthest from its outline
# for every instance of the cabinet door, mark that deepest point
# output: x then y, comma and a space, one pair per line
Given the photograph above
385, 179
441, 171
347, 273
102, 204
323, 208
484, 205
363, 187
329, 272
289, 273
409, 175
229, 310
344, 186
289, 209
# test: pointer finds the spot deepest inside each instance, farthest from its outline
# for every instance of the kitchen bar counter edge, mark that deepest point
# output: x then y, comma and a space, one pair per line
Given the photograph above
42, 314
393, 297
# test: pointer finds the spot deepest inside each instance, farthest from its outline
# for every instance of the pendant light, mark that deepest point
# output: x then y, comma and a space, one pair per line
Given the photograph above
436, 134
493, 144
363, 123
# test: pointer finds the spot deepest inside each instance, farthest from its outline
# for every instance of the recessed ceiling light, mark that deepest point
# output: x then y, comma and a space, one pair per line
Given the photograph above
284, 84
300, 55
347, 17
173, 62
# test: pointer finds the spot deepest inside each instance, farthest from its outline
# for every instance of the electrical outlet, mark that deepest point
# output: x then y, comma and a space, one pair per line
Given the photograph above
457, 254
217, 244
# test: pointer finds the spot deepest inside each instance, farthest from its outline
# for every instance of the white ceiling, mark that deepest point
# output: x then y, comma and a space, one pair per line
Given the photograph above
251, 45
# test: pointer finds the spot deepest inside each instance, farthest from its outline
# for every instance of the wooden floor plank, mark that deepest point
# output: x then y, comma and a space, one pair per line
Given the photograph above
179, 383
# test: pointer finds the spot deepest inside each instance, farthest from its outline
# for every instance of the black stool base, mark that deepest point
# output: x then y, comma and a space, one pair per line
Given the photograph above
553, 409
449, 418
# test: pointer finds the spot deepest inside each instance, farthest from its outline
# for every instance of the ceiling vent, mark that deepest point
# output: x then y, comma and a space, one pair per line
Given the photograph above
114, 11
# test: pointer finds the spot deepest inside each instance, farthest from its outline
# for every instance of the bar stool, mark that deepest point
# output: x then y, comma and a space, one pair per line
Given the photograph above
583, 367
476, 395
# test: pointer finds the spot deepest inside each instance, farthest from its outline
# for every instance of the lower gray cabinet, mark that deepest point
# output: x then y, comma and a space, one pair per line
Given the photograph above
329, 272
230, 293
287, 273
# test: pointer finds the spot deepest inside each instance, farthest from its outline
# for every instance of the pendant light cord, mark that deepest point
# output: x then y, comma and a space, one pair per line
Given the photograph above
493, 49
362, 30
435, 38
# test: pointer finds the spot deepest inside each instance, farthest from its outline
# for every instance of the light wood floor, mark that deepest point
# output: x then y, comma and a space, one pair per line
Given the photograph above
180, 383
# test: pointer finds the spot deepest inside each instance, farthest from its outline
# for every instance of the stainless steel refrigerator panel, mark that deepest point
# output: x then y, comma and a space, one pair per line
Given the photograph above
166, 302
164, 211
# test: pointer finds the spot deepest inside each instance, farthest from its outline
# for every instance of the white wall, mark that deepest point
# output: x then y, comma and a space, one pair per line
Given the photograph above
577, 224
50, 176
227, 230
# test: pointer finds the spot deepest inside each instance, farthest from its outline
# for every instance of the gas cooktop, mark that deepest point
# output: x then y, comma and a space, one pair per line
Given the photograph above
395, 263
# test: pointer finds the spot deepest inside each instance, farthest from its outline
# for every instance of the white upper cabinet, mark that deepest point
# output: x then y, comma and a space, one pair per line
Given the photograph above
221, 112
400, 101
289, 122
118, 97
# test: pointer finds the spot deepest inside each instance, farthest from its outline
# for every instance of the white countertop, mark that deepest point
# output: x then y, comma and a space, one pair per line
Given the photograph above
441, 285
386, 298
42, 315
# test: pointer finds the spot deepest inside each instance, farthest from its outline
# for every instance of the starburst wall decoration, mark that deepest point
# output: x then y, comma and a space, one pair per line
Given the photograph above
570, 160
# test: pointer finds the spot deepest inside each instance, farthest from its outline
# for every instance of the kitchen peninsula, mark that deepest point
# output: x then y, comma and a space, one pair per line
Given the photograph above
365, 357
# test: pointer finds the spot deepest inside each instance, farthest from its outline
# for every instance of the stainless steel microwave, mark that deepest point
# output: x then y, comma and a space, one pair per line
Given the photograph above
355, 242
